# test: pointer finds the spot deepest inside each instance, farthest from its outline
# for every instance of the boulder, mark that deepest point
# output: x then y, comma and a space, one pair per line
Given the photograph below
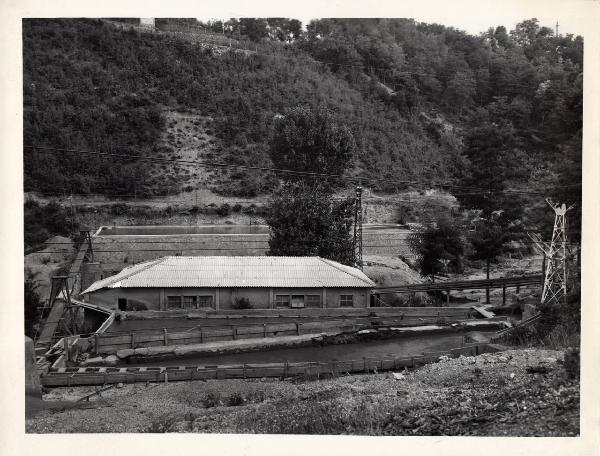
111, 360
98, 360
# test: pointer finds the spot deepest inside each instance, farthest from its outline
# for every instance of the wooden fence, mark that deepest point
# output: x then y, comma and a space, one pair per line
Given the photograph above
109, 375
181, 320
111, 342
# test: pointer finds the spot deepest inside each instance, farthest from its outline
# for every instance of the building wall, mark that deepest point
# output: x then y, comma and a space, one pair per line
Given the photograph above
224, 298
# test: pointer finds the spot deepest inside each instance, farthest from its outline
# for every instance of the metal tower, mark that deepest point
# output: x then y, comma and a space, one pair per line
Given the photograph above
358, 222
555, 276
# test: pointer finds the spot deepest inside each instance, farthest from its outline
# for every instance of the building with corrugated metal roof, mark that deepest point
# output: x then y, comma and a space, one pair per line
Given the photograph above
224, 282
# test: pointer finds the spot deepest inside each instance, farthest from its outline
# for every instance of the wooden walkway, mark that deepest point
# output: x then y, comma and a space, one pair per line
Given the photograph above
45, 338
57, 305
536, 279
109, 375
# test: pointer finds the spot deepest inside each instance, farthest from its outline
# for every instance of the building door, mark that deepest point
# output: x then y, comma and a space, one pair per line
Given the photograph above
122, 304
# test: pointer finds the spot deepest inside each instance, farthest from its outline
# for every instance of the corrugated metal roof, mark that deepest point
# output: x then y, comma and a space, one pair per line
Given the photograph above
236, 271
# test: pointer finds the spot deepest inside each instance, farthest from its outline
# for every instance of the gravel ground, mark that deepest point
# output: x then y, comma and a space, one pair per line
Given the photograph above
516, 392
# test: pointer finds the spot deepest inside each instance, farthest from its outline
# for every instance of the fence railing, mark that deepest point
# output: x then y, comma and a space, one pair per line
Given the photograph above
110, 343
202, 332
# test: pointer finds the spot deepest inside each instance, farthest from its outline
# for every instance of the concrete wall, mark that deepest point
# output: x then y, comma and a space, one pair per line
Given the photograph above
224, 298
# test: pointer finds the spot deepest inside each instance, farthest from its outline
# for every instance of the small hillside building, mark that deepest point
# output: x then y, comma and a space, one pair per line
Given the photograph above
223, 282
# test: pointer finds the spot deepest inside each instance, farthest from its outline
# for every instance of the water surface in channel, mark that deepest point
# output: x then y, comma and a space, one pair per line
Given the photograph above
399, 347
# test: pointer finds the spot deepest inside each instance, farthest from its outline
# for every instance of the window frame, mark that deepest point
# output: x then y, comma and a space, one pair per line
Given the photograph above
194, 302
209, 299
276, 301
168, 303
344, 299
310, 301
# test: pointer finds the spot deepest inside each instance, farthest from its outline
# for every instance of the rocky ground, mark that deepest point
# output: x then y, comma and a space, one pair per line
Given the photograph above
515, 393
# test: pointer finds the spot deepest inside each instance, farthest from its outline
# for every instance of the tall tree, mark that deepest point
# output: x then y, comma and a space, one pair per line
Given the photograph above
439, 247
305, 221
492, 150
311, 140
303, 216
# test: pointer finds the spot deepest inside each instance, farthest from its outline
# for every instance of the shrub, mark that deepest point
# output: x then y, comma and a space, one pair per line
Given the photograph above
163, 423
32, 303
136, 305
211, 400
224, 210
572, 363
235, 400
242, 303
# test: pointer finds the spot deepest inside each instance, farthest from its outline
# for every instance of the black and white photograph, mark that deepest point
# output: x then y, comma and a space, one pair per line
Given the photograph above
303, 224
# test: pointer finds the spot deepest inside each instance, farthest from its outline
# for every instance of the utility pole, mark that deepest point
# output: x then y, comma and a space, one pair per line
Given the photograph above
358, 222
555, 277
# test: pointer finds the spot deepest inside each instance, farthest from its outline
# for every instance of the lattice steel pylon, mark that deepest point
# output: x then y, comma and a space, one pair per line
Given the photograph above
555, 276
358, 223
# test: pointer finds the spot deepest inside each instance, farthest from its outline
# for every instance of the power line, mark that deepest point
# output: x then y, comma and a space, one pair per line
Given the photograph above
222, 165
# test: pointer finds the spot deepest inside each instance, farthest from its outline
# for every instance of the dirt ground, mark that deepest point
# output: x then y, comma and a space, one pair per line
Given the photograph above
511, 393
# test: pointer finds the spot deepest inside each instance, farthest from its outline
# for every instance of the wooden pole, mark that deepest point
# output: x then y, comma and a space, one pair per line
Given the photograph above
165, 337
487, 276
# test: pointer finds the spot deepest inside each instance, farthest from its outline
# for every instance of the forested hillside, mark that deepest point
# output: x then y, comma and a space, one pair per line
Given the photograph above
410, 93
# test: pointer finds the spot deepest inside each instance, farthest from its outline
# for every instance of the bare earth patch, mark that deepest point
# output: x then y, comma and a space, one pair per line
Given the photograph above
516, 393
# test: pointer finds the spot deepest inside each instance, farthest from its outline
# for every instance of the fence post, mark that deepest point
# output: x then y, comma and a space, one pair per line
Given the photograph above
132, 340
201, 336
297, 328
264, 330
234, 332
165, 337
66, 347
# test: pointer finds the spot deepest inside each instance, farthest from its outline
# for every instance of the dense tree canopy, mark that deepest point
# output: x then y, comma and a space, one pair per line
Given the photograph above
305, 221
311, 141
439, 248
407, 92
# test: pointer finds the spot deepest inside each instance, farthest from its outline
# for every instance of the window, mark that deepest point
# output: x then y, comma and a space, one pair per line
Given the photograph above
205, 301
346, 300
282, 300
313, 300
173, 302
297, 301
189, 302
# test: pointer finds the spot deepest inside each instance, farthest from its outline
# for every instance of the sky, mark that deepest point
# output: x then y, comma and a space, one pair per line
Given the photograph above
473, 16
